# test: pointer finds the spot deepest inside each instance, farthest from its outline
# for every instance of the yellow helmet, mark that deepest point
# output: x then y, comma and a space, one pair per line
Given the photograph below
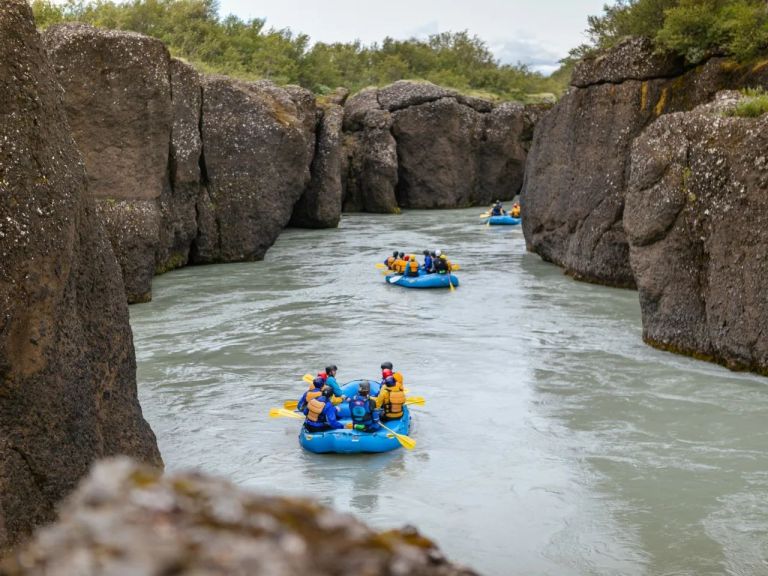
443, 257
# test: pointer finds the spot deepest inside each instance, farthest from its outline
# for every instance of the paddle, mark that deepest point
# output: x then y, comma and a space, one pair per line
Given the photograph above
283, 413
393, 279
415, 400
450, 282
405, 441
381, 266
485, 215
455, 267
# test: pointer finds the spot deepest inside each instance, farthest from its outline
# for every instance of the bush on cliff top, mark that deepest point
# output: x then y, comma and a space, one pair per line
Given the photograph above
248, 49
692, 28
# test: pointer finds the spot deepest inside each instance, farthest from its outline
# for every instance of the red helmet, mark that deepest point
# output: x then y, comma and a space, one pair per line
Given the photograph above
386, 372
408, 257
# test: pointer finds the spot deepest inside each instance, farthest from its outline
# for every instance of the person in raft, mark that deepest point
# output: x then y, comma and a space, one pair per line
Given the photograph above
390, 261
498, 209
362, 409
331, 381
321, 413
427, 262
399, 264
515, 211
398, 376
441, 265
391, 397
315, 391
412, 266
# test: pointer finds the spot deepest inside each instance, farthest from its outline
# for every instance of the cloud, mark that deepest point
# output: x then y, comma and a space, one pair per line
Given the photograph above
530, 51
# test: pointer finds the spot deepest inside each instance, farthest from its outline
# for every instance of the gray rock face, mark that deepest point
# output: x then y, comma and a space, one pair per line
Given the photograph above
117, 94
578, 166
320, 205
697, 221
125, 519
258, 143
67, 367
631, 59
429, 147
178, 228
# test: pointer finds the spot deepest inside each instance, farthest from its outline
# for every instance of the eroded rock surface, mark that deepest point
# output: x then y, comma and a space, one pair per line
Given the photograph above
67, 367
128, 520
117, 93
417, 145
578, 167
696, 218
258, 142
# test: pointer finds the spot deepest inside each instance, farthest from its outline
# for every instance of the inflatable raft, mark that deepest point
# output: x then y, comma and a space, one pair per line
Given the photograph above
423, 280
347, 441
505, 220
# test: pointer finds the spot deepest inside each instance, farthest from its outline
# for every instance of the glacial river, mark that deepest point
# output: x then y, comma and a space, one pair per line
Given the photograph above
553, 441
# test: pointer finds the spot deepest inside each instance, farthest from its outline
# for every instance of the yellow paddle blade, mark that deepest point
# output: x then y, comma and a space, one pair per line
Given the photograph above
418, 400
405, 441
450, 283
291, 404
308, 378
283, 413
455, 267
485, 215
381, 265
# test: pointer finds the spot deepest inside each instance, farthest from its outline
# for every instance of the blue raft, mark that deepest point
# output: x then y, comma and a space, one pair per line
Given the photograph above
505, 220
423, 280
346, 441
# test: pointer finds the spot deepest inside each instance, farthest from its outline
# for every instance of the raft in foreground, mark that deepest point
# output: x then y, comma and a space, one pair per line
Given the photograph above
347, 441
424, 280
505, 220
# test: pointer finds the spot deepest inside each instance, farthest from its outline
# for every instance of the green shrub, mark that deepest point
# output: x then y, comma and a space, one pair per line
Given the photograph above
754, 104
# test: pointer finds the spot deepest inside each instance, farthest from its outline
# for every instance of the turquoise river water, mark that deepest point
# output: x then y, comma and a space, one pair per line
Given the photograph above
553, 441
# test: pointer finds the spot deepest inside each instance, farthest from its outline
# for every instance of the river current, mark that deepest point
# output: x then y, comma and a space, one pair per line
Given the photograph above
553, 441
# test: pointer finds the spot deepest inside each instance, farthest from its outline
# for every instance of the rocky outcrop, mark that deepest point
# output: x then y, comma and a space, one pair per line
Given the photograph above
696, 218
417, 145
370, 156
578, 166
128, 520
320, 205
67, 367
258, 143
117, 93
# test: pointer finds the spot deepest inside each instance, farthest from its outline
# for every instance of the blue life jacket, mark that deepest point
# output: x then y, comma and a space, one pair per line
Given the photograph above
360, 409
427, 263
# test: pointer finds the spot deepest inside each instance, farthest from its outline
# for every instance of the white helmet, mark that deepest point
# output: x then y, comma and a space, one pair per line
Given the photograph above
437, 253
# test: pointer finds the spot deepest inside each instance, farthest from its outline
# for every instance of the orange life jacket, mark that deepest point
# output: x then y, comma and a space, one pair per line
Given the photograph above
398, 265
315, 408
414, 267
515, 211
313, 393
393, 406
390, 261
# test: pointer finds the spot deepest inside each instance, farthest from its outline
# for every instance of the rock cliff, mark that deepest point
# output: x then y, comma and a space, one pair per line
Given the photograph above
127, 520
417, 145
67, 367
578, 167
696, 218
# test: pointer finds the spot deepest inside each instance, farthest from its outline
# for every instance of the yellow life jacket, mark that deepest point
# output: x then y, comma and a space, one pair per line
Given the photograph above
515, 211
398, 376
313, 393
414, 266
398, 265
390, 261
393, 407
315, 408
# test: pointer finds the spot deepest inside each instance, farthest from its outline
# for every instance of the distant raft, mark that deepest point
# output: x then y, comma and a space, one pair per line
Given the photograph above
347, 441
424, 280
505, 220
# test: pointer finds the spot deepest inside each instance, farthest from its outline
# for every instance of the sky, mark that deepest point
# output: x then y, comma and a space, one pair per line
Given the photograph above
534, 32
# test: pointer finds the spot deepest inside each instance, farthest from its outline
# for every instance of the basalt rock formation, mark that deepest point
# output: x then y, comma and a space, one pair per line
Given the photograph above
578, 166
117, 92
258, 143
126, 519
67, 366
696, 218
417, 145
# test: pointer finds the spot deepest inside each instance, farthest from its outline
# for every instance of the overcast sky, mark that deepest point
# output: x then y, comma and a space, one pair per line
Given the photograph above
535, 32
